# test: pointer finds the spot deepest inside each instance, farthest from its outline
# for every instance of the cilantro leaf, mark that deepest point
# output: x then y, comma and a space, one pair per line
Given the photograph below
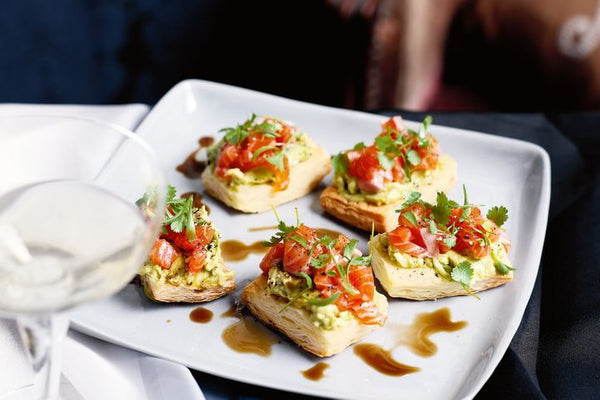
284, 230
386, 162
462, 273
299, 239
411, 217
413, 157
450, 241
422, 134
465, 212
321, 261
171, 193
502, 268
442, 209
410, 199
325, 301
331, 272
277, 160
384, 143
360, 146
349, 249
427, 121
498, 215
179, 214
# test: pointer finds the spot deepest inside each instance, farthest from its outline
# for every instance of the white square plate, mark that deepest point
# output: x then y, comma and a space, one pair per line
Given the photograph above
496, 171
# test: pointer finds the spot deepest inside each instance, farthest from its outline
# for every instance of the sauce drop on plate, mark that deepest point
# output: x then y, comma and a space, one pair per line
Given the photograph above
191, 168
234, 250
246, 336
201, 315
416, 336
206, 141
232, 312
263, 228
316, 372
381, 360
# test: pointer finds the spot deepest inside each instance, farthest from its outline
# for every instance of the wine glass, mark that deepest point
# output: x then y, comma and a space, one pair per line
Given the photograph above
70, 230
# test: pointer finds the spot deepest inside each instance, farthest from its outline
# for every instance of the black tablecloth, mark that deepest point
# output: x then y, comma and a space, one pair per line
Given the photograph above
555, 353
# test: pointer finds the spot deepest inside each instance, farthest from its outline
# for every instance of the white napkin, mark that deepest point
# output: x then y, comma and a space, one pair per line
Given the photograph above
93, 369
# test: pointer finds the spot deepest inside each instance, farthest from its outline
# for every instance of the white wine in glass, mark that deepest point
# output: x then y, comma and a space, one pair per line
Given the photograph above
70, 230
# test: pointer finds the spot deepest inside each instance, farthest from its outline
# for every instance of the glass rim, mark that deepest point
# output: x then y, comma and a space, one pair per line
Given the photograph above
115, 127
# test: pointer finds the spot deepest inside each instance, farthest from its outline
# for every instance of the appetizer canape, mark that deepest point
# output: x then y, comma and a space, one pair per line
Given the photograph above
442, 250
371, 182
262, 163
185, 264
317, 290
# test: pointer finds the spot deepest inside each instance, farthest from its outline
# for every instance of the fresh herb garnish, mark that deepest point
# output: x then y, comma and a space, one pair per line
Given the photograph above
324, 301
321, 261
450, 241
411, 199
283, 231
386, 162
502, 268
179, 214
277, 160
432, 227
262, 150
343, 272
349, 249
413, 157
240, 132
498, 215
411, 217
422, 134
299, 239
307, 278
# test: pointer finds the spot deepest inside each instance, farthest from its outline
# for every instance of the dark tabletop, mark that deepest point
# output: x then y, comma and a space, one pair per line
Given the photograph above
555, 353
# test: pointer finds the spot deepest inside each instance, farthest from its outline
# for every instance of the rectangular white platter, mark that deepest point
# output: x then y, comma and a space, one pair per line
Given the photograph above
495, 170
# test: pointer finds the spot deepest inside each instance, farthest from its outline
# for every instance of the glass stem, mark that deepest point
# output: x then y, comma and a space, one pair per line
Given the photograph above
42, 337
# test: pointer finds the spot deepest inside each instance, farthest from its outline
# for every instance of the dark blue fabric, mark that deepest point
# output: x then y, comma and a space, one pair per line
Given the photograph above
115, 51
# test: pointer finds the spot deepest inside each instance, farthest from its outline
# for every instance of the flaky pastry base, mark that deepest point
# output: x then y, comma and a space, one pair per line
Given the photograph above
420, 283
295, 322
167, 293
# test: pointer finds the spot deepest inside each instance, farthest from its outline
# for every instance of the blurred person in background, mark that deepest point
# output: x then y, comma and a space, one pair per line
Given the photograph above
480, 54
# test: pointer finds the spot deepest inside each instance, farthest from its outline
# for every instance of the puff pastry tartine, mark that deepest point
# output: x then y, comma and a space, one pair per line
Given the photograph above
262, 163
317, 290
371, 182
185, 264
442, 249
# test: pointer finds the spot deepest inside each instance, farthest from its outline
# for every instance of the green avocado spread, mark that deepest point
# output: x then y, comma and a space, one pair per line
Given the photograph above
213, 274
443, 263
282, 284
